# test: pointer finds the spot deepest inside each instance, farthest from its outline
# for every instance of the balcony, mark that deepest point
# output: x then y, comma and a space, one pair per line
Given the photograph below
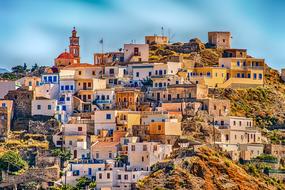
247, 67
102, 102
66, 77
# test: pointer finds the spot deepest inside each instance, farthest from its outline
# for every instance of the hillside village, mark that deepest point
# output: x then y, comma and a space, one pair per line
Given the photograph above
151, 116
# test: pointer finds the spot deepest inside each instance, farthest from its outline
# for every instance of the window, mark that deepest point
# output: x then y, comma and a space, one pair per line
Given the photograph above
136, 51
149, 73
66, 87
3, 105
254, 76
79, 128
89, 96
30, 83
79, 72
108, 116
238, 75
64, 107
71, 87
38, 107
89, 84
45, 79
227, 137
144, 147
97, 155
248, 75
234, 122
142, 159
260, 76
50, 79
159, 127
133, 147
89, 171
134, 176
67, 98
137, 74
100, 176
110, 155
208, 74
238, 63
93, 72
119, 177
54, 79
108, 175
165, 72
215, 107
70, 142
62, 87
49, 107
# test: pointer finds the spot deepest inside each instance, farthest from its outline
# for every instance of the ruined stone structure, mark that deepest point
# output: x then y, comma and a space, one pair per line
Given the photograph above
220, 39
33, 174
22, 99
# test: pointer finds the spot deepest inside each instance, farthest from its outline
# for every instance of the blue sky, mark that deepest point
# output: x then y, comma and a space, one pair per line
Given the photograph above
38, 30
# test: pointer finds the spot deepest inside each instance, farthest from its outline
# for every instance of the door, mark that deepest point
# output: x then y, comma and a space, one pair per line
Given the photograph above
75, 153
84, 86
158, 96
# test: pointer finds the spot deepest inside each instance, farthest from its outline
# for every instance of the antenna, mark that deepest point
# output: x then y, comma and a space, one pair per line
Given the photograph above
162, 31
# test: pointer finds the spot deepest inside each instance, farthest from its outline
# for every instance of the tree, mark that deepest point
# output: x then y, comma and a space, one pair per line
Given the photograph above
84, 182
64, 155
25, 67
12, 162
18, 69
35, 67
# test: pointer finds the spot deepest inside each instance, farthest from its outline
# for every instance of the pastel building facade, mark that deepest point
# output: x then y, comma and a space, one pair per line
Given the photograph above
136, 52
144, 154
155, 39
45, 107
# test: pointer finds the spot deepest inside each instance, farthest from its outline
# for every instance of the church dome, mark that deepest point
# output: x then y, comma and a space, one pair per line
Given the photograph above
65, 55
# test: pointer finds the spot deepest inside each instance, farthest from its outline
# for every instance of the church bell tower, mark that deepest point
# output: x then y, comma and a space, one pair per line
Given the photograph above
74, 47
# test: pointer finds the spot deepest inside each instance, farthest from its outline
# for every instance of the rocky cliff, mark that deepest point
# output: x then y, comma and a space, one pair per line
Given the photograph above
204, 169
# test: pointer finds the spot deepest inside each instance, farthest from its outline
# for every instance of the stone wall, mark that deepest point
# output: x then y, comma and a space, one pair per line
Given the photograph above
4, 127
22, 102
32, 174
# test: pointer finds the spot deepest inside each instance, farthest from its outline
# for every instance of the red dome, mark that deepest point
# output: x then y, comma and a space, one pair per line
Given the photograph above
65, 55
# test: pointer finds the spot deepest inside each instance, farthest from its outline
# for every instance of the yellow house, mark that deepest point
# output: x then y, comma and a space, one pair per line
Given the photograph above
125, 120
128, 99
243, 72
165, 128
209, 76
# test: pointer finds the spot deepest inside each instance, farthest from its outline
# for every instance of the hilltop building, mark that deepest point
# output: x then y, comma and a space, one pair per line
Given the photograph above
155, 39
220, 39
71, 57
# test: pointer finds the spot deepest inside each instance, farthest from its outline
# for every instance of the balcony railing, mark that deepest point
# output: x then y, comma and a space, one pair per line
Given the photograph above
102, 101
67, 77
